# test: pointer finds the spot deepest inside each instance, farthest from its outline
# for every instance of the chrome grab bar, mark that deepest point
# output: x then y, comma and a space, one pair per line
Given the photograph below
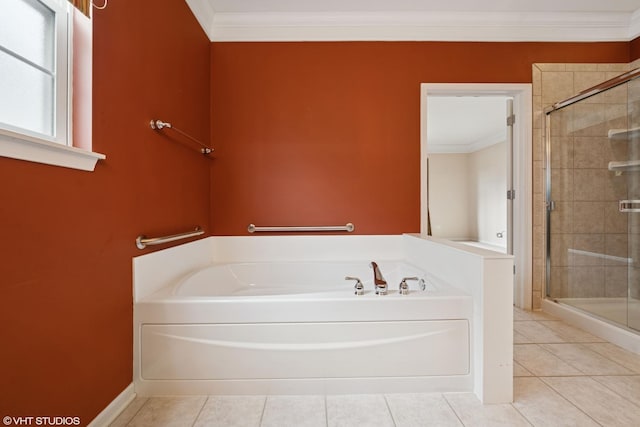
349, 227
142, 241
159, 125
629, 205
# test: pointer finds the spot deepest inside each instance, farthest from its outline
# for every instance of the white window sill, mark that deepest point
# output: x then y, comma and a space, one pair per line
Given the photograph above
49, 153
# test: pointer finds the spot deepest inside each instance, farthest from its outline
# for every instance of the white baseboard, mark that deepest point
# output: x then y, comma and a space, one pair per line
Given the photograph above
111, 412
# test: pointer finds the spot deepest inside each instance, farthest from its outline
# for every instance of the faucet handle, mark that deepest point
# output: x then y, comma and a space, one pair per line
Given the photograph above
359, 287
404, 286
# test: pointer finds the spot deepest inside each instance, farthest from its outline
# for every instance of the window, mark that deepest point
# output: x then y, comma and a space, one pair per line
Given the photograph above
36, 82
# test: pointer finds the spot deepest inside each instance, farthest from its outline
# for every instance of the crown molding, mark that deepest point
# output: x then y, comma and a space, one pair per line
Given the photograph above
634, 25
415, 26
204, 13
419, 26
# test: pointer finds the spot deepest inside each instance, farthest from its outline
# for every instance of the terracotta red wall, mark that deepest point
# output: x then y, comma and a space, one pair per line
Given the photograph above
68, 236
634, 49
326, 133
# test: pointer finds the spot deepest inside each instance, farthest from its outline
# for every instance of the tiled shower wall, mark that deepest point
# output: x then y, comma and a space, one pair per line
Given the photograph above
591, 215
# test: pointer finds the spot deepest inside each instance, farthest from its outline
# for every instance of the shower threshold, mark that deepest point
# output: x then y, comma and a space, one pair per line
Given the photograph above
608, 309
604, 317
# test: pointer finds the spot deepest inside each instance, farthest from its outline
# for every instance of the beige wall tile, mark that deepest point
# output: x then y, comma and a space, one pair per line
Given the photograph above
563, 184
586, 282
562, 218
591, 152
617, 245
536, 76
584, 68
616, 281
556, 86
551, 67
536, 300
587, 78
562, 152
588, 217
559, 282
537, 145
614, 220
615, 68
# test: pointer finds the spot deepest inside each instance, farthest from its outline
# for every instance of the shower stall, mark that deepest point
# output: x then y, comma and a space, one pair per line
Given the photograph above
592, 167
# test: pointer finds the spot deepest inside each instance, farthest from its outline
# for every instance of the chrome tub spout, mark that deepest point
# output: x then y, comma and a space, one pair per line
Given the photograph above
378, 280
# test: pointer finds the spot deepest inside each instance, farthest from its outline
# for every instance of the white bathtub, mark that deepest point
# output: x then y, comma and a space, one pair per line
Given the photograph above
289, 327
292, 279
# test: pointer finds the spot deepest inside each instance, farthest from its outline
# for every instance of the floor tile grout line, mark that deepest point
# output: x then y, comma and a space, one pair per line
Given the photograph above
605, 357
574, 343
136, 413
264, 406
326, 411
565, 398
614, 391
615, 361
393, 420
444, 396
524, 417
588, 350
534, 339
200, 411
553, 355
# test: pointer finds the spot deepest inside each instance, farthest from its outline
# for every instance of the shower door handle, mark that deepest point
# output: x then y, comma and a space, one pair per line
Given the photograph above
629, 205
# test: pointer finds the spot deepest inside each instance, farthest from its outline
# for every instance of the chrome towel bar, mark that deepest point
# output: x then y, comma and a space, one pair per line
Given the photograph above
142, 241
349, 227
159, 125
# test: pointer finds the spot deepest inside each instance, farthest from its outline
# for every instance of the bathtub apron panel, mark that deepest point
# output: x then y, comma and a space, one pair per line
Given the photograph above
305, 350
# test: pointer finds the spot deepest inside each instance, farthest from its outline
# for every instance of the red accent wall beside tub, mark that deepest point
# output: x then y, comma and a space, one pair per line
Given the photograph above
634, 49
329, 133
68, 236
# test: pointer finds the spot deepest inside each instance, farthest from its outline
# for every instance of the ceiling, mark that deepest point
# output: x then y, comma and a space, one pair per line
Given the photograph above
450, 20
464, 124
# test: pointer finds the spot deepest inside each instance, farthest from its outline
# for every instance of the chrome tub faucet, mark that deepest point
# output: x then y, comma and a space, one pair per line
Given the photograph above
359, 287
378, 280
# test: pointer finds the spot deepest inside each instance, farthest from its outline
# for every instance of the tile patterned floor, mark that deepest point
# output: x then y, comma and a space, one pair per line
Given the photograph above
563, 377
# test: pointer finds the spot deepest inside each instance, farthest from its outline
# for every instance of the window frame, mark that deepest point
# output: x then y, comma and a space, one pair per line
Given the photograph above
57, 150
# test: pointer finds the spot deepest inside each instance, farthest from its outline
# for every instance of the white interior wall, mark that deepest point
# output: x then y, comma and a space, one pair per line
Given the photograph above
452, 215
467, 195
487, 191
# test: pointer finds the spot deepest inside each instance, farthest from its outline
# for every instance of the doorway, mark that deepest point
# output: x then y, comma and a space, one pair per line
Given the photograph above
519, 206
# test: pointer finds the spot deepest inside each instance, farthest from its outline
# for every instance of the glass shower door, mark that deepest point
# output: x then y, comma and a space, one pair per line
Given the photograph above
632, 205
588, 244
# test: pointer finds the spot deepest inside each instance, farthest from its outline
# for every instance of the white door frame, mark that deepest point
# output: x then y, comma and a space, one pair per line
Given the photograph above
522, 170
